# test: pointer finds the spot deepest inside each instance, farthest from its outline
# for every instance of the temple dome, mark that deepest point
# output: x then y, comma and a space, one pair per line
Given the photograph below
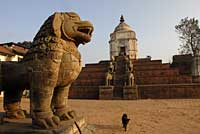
122, 26
123, 41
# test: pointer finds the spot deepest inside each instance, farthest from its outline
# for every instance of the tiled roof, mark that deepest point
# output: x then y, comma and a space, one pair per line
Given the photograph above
12, 49
6, 51
19, 50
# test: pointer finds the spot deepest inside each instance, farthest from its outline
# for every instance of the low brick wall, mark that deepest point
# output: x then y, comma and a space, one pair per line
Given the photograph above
84, 92
169, 91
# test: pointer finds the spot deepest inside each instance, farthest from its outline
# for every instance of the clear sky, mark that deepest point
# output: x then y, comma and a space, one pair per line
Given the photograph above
152, 20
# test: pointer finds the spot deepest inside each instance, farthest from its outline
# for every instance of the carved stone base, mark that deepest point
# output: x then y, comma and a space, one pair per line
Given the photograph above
23, 126
106, 92
130, 92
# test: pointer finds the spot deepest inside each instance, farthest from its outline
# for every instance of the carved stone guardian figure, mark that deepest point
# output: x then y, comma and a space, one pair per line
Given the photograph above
129, 65
129, 73
109, 74
130, 78
50, 66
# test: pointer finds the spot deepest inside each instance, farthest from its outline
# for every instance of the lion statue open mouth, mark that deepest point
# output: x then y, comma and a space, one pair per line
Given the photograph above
48, 69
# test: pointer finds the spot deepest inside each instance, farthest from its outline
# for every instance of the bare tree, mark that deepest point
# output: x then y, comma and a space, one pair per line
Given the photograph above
189, 34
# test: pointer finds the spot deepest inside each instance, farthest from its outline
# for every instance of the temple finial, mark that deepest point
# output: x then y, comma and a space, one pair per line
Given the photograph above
122, 19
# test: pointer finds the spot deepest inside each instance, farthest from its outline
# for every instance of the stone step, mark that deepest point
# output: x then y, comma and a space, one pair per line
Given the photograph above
163, 80
23, 126
152, 66
92, 75
84, 92
90, 82
94, 70
146, 62
96, 65
158, 72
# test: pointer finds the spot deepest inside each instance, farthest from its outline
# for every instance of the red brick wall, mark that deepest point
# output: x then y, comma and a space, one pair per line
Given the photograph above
154, 80
169, 91
84, 92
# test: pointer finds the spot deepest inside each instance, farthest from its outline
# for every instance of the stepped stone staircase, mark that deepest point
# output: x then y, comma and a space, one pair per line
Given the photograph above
157, 80
87, 84
153, 79
119, 77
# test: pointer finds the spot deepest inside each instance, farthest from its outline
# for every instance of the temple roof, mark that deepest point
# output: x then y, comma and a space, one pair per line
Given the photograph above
122, 26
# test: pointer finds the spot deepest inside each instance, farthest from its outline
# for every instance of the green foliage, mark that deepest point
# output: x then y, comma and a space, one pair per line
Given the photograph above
189, 34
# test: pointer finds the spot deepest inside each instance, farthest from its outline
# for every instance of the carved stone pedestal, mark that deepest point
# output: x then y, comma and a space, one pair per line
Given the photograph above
130, 92
105, 92
23, 126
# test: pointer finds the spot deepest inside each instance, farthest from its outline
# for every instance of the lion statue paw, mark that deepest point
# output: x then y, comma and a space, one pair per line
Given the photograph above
47, 122
65, 114
17, 114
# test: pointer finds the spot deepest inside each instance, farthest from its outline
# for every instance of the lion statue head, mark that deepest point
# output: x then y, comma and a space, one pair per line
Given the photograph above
67, 26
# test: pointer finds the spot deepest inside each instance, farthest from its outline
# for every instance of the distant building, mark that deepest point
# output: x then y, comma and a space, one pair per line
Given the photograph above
12, 52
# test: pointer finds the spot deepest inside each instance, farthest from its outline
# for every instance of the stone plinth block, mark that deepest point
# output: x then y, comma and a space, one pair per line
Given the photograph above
106, 92
196, 79
196, 66
23, 126
130, 92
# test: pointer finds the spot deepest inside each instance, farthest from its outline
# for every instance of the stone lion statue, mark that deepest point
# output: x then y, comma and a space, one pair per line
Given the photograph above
108, 77
130, 81
48, 69
109, 74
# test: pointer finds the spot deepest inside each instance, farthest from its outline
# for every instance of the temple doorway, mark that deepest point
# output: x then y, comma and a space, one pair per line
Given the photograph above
122, 51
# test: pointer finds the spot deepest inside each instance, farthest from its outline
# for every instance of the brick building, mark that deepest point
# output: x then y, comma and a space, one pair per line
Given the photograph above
11, 52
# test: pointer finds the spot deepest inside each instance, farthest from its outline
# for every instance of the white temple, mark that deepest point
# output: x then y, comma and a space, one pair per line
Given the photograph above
123, 41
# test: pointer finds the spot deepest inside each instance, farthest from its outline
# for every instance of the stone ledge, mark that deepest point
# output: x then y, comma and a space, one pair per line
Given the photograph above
23, 126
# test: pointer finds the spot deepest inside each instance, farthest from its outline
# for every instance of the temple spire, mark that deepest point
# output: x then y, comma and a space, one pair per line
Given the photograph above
122, 19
